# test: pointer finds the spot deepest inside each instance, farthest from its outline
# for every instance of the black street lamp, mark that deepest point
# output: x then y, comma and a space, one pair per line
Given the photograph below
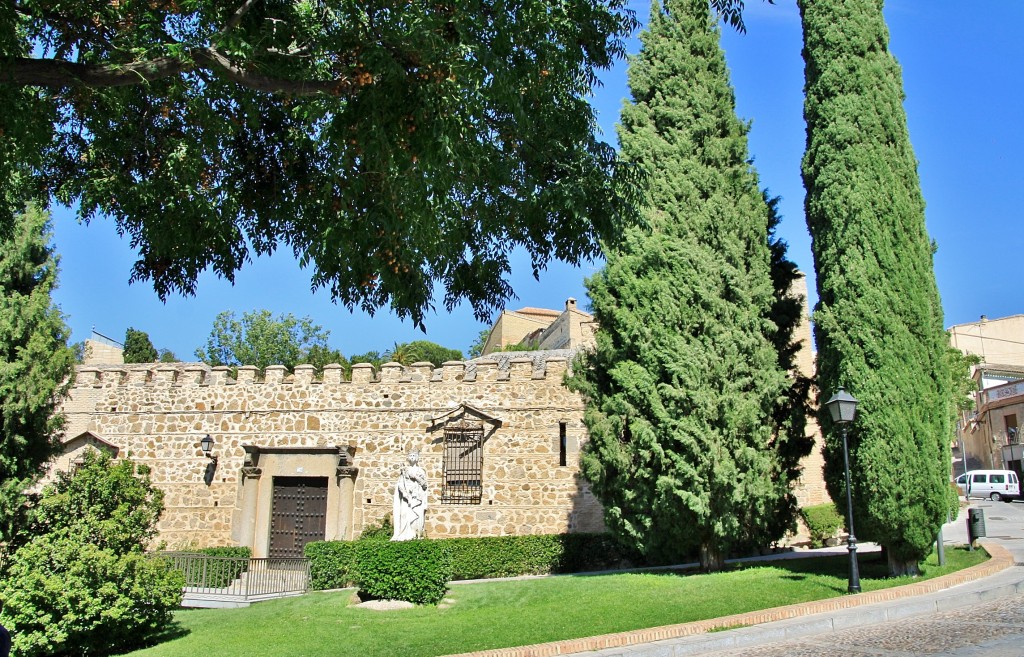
843, 408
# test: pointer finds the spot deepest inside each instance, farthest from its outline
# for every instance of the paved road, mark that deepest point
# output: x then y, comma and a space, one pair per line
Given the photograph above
993, 629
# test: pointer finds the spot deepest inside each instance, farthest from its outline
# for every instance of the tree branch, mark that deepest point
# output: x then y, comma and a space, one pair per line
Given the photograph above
219, 63
60, 74
236, 17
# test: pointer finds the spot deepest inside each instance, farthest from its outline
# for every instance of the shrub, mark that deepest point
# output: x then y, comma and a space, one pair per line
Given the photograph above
112, 505
383, 530
511, 556
82, 584
66, 596
416, 571
823, 522
232, 552
228, 565
331, 564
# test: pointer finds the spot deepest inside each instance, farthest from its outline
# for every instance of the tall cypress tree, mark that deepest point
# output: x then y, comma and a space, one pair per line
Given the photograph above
878, 323
685, 390
35, 360
138, 348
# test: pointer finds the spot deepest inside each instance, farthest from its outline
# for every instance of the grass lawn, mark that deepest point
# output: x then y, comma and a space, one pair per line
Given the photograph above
513, 613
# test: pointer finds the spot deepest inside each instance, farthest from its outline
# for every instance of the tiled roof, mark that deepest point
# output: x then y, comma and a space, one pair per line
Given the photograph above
537, 311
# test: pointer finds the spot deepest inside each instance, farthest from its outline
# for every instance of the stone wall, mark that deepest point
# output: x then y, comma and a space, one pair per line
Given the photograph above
156, 414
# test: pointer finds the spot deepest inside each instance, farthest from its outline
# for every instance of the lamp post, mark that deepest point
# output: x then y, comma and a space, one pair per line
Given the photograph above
843, 408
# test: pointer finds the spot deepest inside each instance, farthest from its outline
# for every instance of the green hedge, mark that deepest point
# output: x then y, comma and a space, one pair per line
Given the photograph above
235, 552
511, 556
416, 571
331, 564
335, 564
823, 522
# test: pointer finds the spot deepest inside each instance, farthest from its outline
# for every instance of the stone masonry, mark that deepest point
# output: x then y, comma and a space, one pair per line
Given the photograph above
356, 434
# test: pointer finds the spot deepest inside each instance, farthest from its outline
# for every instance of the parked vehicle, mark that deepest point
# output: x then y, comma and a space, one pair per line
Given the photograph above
992, 484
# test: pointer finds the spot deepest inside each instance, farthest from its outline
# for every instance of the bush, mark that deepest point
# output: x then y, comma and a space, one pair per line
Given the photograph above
416, 571
383, 530
82, 584
233, 552
229, 564
331, 564
334, 564
66, 596
823, 522
511, 556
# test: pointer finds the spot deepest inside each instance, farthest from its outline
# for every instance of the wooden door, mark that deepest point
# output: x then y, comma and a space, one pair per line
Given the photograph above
299, 514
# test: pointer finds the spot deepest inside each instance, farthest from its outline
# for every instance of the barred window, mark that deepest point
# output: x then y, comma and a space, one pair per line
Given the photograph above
463, 463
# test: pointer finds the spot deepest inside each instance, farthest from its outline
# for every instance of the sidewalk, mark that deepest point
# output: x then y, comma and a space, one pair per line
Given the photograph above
1001, 576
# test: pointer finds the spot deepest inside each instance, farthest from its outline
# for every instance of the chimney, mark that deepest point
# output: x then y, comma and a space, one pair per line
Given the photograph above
570, 304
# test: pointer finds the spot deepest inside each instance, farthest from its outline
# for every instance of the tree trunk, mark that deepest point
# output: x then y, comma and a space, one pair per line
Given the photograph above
898, 568
711, 559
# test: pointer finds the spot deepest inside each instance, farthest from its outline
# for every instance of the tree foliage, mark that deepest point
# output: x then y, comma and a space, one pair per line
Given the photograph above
878, 323
477, 348
82, 584
390, 147
261, 339
35, 360
417, 351
138, 348
693, 432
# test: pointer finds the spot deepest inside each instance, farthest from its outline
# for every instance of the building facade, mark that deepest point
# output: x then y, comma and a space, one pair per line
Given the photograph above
298, 457
987, 434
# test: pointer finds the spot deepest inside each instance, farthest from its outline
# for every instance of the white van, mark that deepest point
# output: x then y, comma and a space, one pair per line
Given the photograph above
994, 484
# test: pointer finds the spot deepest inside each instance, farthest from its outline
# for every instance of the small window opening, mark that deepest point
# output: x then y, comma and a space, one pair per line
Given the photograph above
562, 447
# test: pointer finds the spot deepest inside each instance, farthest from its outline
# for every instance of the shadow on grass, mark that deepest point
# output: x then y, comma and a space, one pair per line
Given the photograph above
173, 631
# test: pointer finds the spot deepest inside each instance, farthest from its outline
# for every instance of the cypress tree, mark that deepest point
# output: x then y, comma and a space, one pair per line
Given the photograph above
878, 323
138, 348
685, 389
35, 360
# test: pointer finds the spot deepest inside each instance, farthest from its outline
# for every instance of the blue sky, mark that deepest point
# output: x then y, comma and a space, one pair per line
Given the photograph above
963, 72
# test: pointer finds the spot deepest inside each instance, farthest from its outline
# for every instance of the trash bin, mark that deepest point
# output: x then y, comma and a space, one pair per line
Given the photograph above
975, 524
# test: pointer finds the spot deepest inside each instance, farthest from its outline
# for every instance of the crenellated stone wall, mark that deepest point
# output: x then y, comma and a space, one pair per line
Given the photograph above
356, 433
157, 415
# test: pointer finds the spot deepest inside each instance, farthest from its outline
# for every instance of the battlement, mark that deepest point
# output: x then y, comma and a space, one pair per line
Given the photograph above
537, 366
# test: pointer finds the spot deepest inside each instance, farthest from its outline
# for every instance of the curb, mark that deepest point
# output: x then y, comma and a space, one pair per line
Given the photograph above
1001, 559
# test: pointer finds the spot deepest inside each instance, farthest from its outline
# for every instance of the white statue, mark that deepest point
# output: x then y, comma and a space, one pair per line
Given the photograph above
410, 500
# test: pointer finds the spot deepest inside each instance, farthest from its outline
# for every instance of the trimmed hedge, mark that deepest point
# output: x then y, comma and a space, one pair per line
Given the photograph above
823, 522
416, 571
234, 552
331, 564
544, 554
336, 564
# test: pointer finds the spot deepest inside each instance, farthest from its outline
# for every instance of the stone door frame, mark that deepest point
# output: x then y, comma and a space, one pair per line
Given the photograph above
251, 519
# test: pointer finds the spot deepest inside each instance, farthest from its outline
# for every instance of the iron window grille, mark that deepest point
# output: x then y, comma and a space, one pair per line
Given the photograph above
463, 464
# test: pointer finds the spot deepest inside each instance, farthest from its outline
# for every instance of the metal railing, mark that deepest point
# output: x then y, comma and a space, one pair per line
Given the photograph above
240, 578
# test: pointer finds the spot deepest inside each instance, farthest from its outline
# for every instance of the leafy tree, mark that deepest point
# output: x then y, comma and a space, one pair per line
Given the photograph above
402, 353
422, 351
374, 358
477, 348
83, 584
138, 348
878, 323
261, 339
688, 403
35, 361
390, 148
167, 356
